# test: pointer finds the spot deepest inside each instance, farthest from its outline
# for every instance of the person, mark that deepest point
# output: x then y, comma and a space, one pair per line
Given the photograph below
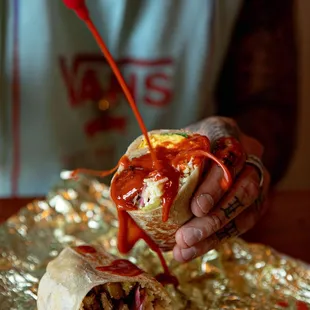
228, 65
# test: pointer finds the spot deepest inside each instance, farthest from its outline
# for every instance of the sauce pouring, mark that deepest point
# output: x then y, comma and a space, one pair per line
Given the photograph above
158, 162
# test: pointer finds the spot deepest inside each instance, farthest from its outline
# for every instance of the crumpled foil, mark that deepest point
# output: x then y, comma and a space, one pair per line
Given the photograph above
236, 276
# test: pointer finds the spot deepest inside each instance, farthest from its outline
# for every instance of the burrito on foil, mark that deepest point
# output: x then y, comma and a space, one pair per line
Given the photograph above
89, 278
157, 199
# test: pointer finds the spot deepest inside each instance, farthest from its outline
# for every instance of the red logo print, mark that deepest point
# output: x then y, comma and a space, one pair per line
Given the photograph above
84, 79
88, 79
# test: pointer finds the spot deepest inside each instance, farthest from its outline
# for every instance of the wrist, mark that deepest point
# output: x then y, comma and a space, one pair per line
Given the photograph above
216, 127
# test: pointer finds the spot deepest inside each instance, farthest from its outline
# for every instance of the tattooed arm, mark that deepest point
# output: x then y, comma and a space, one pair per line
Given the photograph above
258, 85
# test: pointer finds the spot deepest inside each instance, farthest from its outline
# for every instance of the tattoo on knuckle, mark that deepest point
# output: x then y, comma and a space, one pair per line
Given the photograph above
228, 231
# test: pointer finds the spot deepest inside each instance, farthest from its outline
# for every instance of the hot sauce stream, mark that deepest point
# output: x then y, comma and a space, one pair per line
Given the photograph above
158, 162
81, 10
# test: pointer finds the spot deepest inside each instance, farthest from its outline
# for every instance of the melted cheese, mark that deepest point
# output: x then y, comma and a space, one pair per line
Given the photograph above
168, 140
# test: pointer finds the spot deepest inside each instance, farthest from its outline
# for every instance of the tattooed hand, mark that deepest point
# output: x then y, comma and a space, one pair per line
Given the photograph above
220, 215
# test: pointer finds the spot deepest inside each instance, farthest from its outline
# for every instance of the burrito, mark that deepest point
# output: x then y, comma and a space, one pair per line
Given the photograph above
89, 278
156, 196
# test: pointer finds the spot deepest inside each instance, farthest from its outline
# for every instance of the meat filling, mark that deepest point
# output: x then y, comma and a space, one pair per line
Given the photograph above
120, 296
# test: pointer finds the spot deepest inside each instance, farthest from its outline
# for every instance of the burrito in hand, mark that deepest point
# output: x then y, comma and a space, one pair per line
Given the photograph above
155, 197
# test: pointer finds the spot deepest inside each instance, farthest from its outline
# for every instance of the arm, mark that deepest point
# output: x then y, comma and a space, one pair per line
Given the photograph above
258, 85
257, 94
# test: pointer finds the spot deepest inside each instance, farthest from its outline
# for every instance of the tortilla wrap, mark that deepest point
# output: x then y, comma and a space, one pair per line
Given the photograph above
150, 220
72, 280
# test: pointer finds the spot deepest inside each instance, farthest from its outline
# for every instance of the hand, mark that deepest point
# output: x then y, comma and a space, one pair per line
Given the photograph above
220, 214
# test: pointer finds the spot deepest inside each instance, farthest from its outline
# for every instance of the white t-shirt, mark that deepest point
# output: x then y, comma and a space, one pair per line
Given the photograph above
170, 52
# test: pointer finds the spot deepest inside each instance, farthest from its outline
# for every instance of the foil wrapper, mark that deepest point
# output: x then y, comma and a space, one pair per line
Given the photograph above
238, 275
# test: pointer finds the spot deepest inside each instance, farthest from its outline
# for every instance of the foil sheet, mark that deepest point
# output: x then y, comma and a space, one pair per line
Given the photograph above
236, 276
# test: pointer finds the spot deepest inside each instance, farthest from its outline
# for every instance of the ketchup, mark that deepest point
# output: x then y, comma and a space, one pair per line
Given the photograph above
85, 249
79, 7
156, 164
121, 267
81, 10
129, 182
129, 233
166, 279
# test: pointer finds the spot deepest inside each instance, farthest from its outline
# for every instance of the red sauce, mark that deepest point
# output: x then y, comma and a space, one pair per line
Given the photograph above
79, 7
85, 249
299, 305
230, 151
121, 267
129, 233
157, 163
81, 10
128, 183
166, 279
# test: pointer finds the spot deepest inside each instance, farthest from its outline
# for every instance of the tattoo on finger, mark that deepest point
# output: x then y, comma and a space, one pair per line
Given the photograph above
228, 231
232, 207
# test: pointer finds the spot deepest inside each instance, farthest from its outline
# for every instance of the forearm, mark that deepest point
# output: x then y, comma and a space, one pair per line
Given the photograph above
258, 85
276, 133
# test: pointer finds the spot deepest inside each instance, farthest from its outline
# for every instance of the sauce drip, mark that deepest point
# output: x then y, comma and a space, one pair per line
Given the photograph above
81, 10
166, 279
121, 267
100, 174
85, 249
129, 233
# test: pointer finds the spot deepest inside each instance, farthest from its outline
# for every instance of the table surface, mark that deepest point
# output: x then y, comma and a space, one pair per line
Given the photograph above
285, 227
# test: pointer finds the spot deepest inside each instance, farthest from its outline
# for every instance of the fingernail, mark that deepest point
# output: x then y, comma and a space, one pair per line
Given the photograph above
188, 254
204, 202
191, 235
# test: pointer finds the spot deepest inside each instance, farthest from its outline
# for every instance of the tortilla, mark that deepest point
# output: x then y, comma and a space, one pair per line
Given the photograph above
73, 282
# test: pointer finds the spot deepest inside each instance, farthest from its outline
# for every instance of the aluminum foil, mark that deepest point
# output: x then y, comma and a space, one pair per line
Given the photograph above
236, 276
